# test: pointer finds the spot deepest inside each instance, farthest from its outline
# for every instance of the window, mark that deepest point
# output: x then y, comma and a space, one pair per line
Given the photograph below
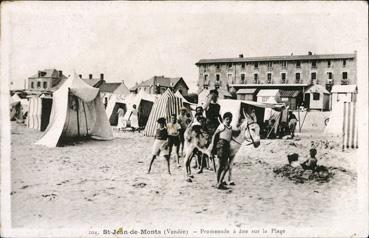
218, 66
269, 78
256, 65
32, 85
316, 96
242, 78
243, 65
38, 84
329, 63
206, 79
313, 76
45, 85
344, 63
283, 76
298, 64
344, 75
284, 64
330, 75
270, 65
297, 77
218, 79
229, 65
255, 78
313, 64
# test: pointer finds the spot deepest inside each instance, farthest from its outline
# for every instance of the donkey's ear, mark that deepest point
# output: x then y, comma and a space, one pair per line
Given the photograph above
247, 116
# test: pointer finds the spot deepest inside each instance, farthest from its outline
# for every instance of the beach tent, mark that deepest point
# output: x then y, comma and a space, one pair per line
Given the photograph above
115, 102
317, 97
39, 110
77, 112
166, 105
236, 107
144, 103
189, 105
343, 121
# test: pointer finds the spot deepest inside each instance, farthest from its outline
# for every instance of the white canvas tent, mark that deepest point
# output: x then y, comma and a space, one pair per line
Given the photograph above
144, 103
262, 109
116, 101
77, 112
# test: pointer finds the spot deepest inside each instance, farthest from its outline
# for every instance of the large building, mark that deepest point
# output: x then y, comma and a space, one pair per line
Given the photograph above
285, 70
292, 74
46, 80
159, 84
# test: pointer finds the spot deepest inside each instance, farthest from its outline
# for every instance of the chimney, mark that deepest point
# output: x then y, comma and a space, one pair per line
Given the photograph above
310, 53
90, 76
80, 76
39, 74
240, 56
291, 53
101, 76
60, 73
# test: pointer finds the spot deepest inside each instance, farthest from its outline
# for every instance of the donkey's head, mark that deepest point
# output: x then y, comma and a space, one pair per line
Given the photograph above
251, 130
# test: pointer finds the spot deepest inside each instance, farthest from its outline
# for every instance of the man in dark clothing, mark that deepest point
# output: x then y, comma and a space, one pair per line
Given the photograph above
212, 111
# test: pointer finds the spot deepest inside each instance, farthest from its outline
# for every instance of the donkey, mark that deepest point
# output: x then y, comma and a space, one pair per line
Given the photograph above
250, 131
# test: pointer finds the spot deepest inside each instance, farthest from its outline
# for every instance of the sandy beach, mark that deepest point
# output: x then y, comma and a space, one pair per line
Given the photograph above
105, 182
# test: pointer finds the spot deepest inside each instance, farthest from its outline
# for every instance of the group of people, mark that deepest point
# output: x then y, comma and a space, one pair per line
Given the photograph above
207, 127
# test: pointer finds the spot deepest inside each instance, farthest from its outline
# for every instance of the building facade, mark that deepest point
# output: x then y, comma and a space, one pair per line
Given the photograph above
159, 84
46, 80
278, 71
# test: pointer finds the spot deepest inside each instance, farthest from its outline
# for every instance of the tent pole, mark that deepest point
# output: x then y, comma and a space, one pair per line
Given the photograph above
343, 126
298, 112
84, 111
302, 124
77, 109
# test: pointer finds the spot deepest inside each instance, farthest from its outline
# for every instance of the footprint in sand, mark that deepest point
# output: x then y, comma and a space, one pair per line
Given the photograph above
25, 186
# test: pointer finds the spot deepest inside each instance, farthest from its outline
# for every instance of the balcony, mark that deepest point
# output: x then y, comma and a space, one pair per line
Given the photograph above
344, 82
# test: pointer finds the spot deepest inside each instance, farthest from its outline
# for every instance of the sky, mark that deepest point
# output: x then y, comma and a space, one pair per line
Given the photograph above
133, 41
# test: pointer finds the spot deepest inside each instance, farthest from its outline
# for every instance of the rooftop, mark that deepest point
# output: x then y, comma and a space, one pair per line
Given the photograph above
49, 73
161, 80
277, 58
109, 87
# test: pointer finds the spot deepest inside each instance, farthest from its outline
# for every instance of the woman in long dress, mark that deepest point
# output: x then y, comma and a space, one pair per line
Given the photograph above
120, 118
134, 117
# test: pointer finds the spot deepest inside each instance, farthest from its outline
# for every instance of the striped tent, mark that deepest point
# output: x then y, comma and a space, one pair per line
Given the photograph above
39, 110
343, 122
166, 105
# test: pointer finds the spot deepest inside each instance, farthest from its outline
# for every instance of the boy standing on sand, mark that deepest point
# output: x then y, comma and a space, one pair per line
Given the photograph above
224, 134
160, 143
173, 136
183, 121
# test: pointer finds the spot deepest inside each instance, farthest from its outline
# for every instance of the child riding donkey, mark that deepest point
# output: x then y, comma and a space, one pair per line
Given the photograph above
227, 147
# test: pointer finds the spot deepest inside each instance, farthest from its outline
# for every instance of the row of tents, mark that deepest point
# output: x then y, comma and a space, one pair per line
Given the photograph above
76, 111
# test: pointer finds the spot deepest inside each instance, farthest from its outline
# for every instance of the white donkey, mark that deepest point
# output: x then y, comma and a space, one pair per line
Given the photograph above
249, 131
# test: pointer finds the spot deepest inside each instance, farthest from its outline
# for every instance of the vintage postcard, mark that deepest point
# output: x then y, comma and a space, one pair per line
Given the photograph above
184, 119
